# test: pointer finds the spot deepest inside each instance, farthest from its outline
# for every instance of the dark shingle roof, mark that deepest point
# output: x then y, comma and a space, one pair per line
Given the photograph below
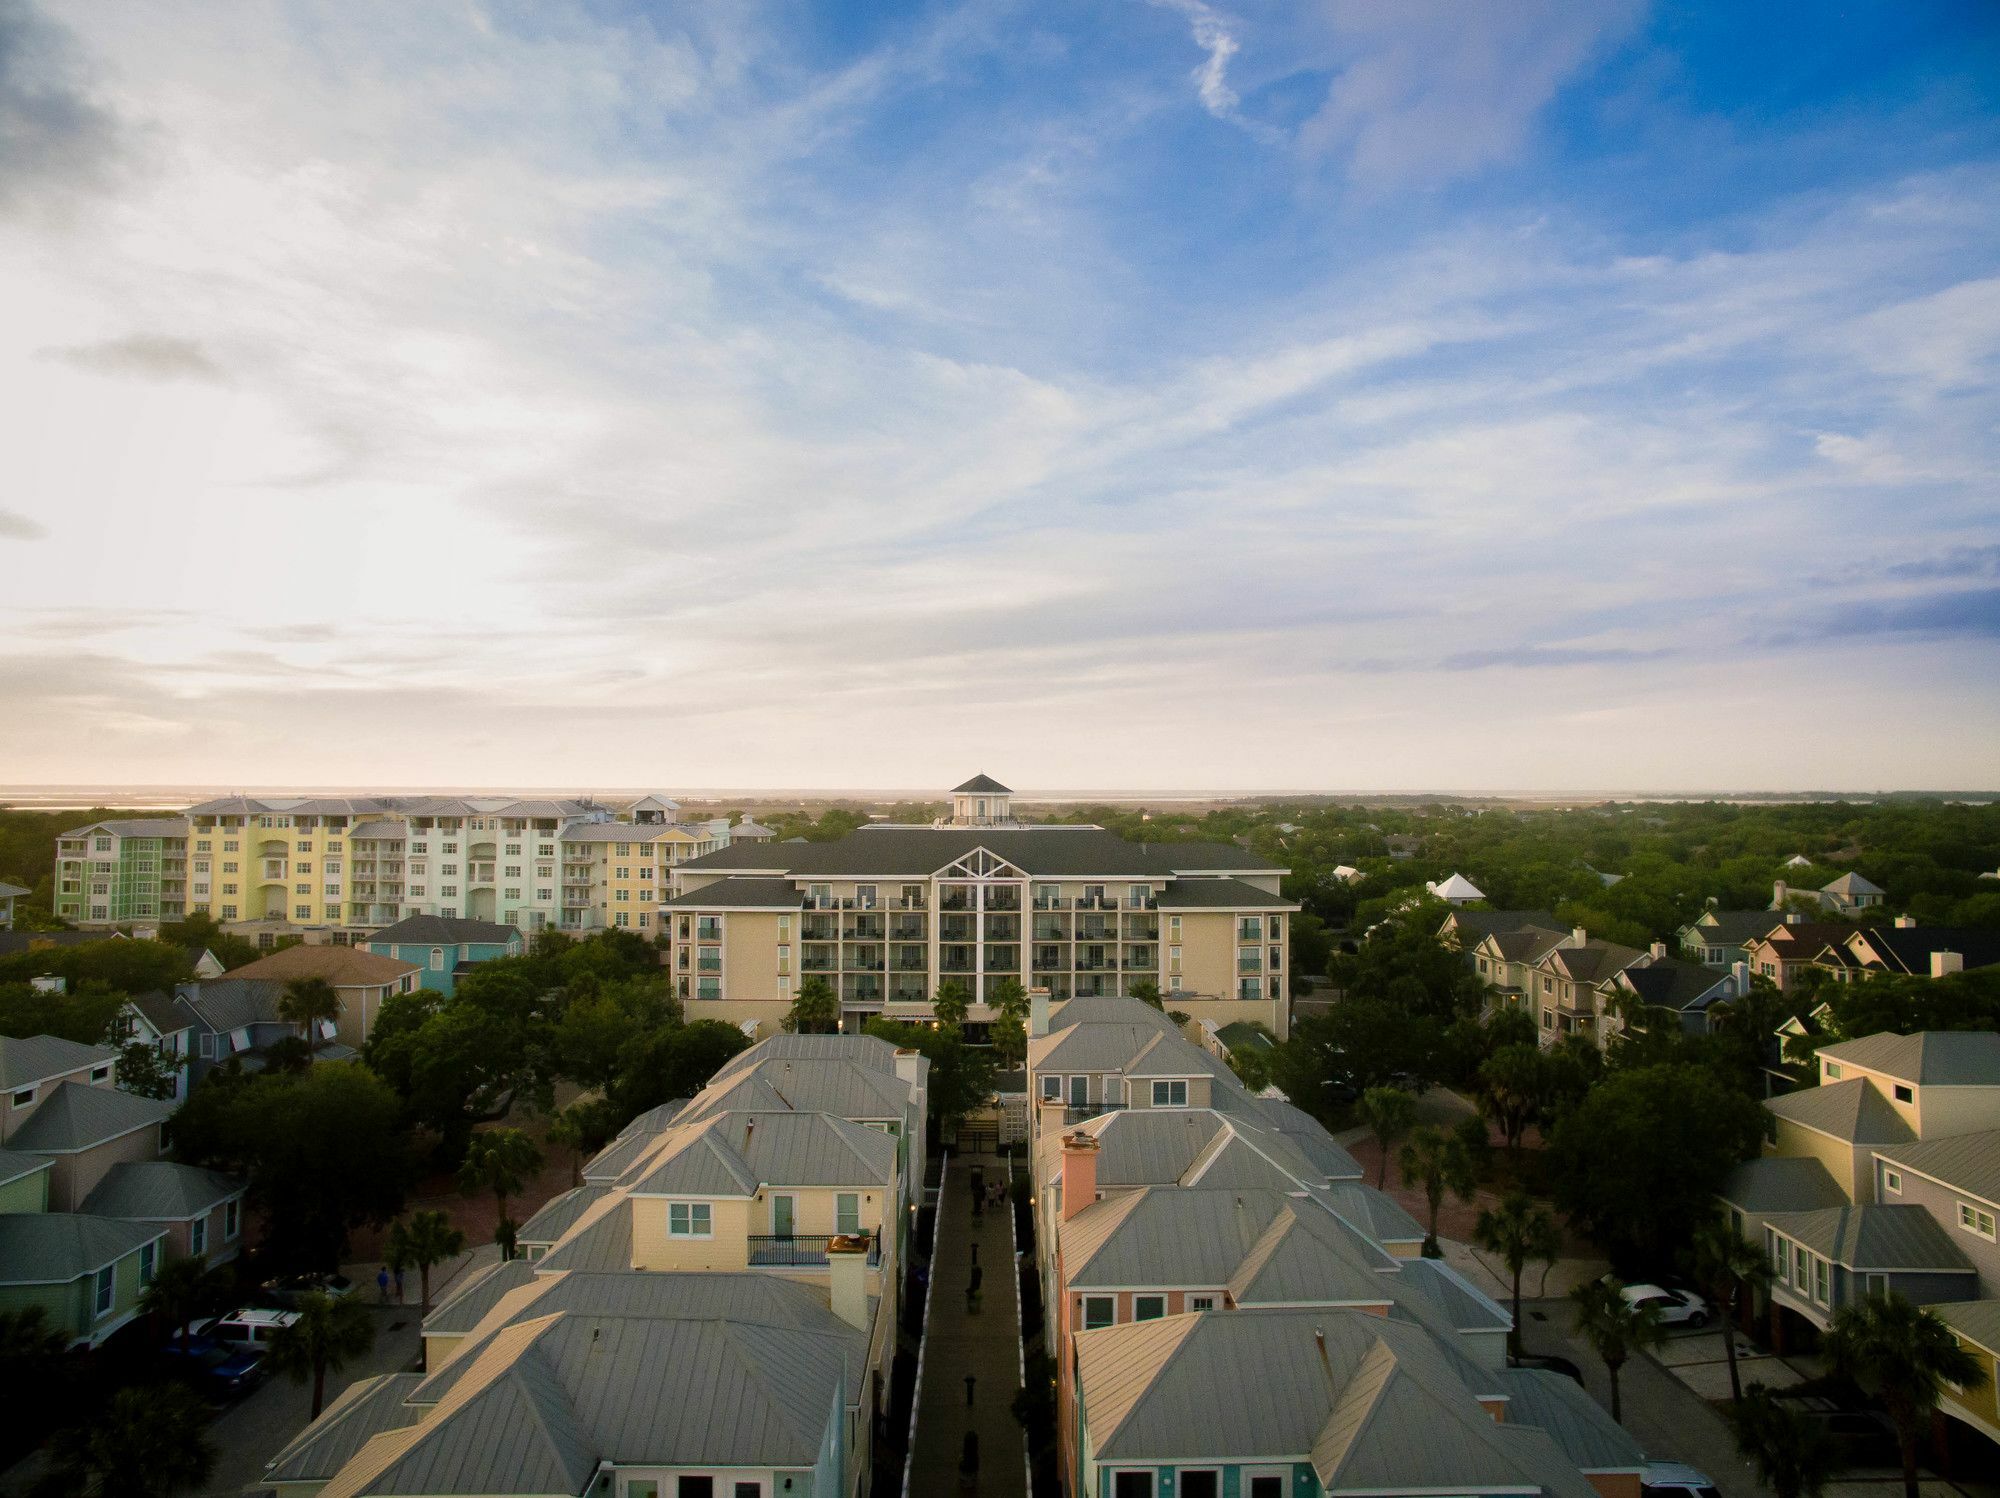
1908, 949
53, 1248
160, 1191
739, 893
1049, 852
982, 785
1732, 928
36, 1058
77, 1116
1220, 894
1673, 984
418, 929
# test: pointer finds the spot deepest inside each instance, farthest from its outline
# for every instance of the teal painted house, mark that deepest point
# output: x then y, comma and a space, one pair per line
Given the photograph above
445, 948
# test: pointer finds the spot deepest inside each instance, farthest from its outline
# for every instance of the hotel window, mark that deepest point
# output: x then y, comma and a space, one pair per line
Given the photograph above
448, 890
302, 912
230, 845
513, 871
1099, 1310
864, 896
514, 894
1975, 1220
1148, 1307
784, 928
784, 990
420, 847
622, 918
451, 847
1173, 959
690, 1220
545, 895
1168, 1094
513, 850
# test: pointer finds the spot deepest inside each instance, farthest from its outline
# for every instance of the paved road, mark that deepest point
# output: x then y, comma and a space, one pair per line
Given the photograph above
1669, 1419
985, 1344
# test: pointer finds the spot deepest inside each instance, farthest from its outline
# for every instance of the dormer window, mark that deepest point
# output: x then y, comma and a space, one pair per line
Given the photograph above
1833, 1071
1905, 1094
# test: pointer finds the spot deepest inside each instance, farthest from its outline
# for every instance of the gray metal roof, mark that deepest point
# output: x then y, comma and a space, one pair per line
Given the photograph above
1220, 894
135, 827
76, 1116
36, 1058
160, 1191
1732, 928
870, 1051
1976, 1320
1375, 1213
1970, 1162
12, 891
226, 1004
1852, 1110
560, 1214
364, 1409
14, 1165
1874, 1236
1189, 1147
379, 831
53, 1248
472, 1296
1382, 1408
1434, 1293
840, 1087
598, 1242
1782, 1183
1127, 1045
1582, 1429
1936, 1058
1049, 852
732, 1154
743, 892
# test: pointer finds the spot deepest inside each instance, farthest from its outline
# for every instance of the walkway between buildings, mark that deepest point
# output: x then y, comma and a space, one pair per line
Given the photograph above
983, 1343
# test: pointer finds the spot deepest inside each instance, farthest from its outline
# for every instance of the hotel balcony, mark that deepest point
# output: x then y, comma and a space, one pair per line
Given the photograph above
1141, 962
903, 929
819, 928
1088, 930
863, 960
910, 960
865, 929
1002, 897
1052, 902
955, 899
1142, 930
1249, 964
911, 902
957, 929
1142, 902
1051, 962
1096, 902
814, 963
1094, 962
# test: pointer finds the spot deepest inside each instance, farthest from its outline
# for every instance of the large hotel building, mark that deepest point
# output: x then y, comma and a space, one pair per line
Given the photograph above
890, 912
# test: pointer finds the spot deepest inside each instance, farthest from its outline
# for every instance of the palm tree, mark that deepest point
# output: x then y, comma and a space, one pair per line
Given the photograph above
499, 1161
951, 1004
1390, 1113
1726, 1266
1793, 1453
305, 1002
1519, 1229
1904, 1356
1441, 1163
182, 1290
1614, 1327
815, 1010
329, 1334
425, 1239
145, 1442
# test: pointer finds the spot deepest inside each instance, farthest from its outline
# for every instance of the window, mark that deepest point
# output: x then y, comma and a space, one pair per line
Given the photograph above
231, 1219
1131, 1485
198, 1237
1265, 1485
1098, 1310
100, 1073
1800, 1271
694, 1487
1206, 1483
1822, 1281
847, 1212
1148, 1307
642, 1487
1904, 1094
147, 1253
107, 1280
1892, 1180
1975, 1220
1201, 1302
1170, 1094
437, 959
24, 1097
690, 1220
1051, 1089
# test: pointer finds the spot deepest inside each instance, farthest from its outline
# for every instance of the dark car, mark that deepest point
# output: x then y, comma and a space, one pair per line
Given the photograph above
286, 1293
218, 1369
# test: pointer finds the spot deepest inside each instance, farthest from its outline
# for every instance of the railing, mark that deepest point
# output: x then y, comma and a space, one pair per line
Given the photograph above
1052, 902
954, 901
1074, 1113
1096, 933
1096, 902
862, 933
1050, 965
709, 965
769, 1250
1143, 933
1249, 964
1146, 902
906, 965
1003, 899
908, 902
818, 965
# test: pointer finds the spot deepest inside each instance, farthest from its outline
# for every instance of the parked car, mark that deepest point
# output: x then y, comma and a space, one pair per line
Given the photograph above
252, 1326
219, 1369
287, 1292
1676, 1307
1675, 1480
1550, 1364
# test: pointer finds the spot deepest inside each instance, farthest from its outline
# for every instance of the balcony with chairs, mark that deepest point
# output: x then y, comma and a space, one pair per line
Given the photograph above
1002, 897
908, 928
801, 1250
865, 928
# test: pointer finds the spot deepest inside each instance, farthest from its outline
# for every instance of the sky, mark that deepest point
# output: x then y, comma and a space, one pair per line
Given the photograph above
1322, 394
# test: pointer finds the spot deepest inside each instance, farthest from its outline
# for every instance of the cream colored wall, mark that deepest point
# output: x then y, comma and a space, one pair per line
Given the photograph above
813, 1212
729, 1248
1208, 951
750, 954
1847, 1165
1946, 1111
768, 1015
73, 1176
1274, 1013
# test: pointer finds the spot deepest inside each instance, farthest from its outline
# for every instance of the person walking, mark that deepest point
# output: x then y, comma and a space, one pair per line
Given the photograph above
382, 1283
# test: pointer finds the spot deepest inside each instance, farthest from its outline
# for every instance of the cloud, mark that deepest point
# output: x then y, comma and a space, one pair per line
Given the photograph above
1535, 656
1970, 612
147, 356
53, 132
18, 527
1425, 91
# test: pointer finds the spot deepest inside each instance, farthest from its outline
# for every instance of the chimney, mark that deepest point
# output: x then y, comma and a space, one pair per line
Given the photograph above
1659, 951
1778, 894
847, 1277
1943, 964
910, 1070
1578, 937
1741, 972
1038, 1012
1079, 1172
1906, 922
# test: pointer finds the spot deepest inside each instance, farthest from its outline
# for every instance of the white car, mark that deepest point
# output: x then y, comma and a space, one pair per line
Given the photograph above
252, 1326
1675, 1480
1675, 1307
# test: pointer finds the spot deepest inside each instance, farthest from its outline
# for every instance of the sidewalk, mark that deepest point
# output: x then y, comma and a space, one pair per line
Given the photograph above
984, 1345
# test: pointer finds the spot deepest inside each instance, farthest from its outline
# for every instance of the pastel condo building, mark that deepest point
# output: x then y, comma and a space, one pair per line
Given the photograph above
892, 911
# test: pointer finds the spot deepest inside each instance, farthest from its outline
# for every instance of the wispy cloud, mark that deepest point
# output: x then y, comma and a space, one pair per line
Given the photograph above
17, 527
149, 356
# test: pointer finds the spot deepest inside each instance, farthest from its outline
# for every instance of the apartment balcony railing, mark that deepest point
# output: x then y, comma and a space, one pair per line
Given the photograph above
1052, 902
873, 964
909, 965
1249, 964
801, 1250
817, 965
1097, 964
818, 928
1047, 964
1004, 929
907, 931
709, 965
1096, 902
1003, 899
1142, 933
1250, 931
1137, 964
910, 902
960, 930
954, 899
955, 966
1047, 929
1076, 1113
864, 931
1142, 902
1096, 931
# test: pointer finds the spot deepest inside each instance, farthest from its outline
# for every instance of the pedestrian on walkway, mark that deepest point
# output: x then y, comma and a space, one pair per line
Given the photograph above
382, 1283
968, 1463
972, 1291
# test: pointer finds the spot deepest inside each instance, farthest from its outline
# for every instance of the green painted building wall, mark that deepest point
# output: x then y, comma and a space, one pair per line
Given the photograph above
71, 1307
28, 1194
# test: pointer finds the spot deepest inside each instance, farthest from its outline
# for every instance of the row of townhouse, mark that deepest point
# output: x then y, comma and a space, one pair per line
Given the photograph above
1571, 983
89, 1207
338, 867
1783, 947
713, 1311
889, 913
1233, 1310
1885, 1178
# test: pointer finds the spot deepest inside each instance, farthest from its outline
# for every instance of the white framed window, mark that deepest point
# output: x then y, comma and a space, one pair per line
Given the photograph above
690, 1220
1822, 1281
1198, 1482
198, 1237
1170, 1094
1201, 1302
1832, 1067
1148, 1307
1051, 1089
107, 1284
1892, 1181
1976, 1220
1132, 1485
232, 1220
148, 1254
100, 1074
847, 1212
1099, 1310
24, 1097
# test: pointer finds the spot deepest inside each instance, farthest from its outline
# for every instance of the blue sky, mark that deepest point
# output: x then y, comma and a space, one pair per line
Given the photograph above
1134, 394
